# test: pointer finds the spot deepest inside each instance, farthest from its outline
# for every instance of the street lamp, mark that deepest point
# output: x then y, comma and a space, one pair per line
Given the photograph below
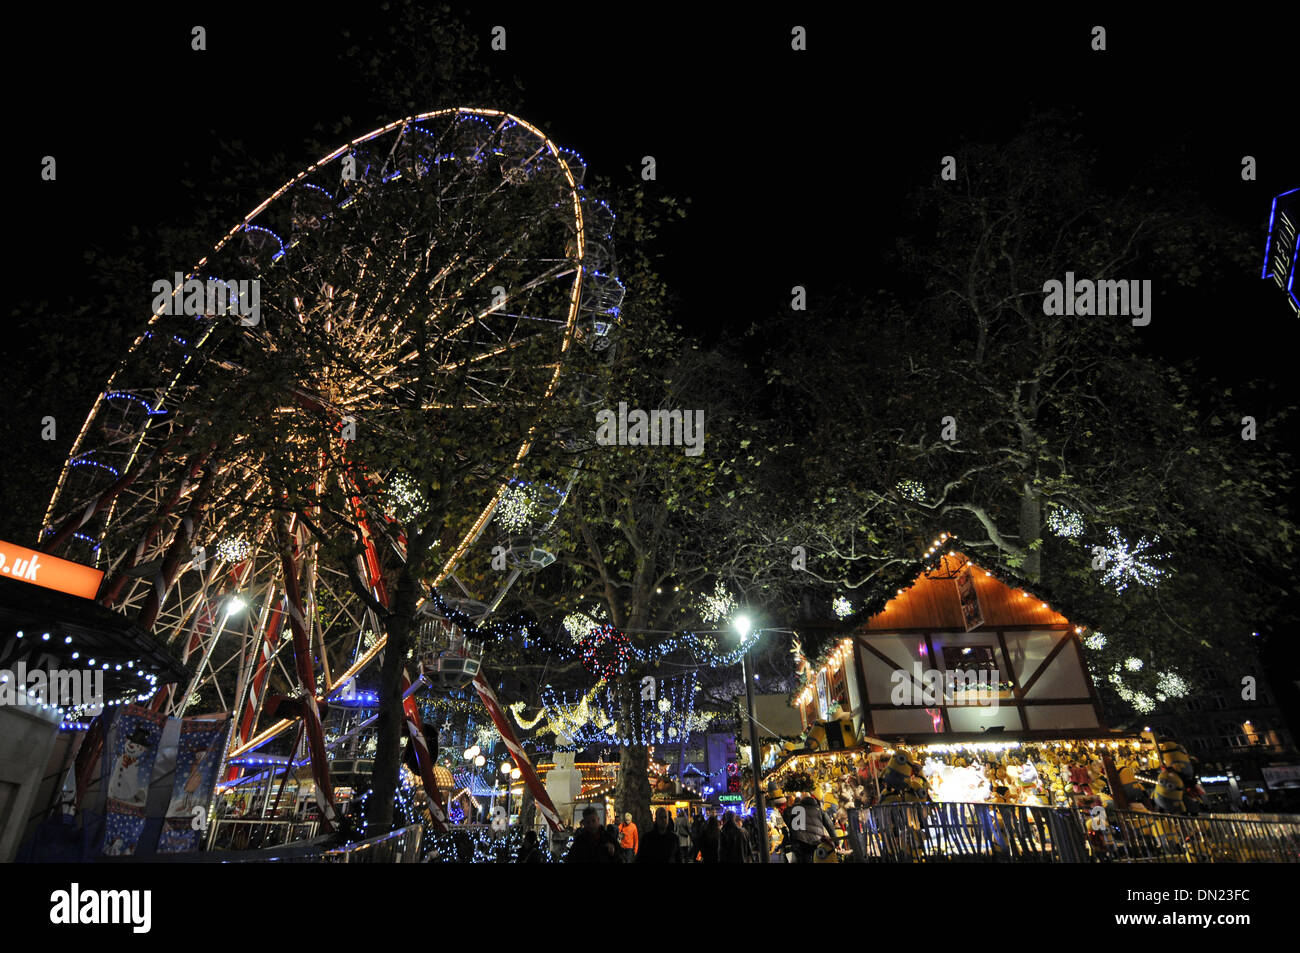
506, 768
743, 626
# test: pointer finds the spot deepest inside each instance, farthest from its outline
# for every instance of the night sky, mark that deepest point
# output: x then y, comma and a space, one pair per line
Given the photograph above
796, 164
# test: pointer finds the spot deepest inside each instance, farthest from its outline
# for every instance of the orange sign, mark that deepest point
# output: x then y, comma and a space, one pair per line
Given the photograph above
19, 562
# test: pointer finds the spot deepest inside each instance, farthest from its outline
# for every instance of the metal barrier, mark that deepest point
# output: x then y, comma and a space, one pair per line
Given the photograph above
396, 847
957, 831
232, 833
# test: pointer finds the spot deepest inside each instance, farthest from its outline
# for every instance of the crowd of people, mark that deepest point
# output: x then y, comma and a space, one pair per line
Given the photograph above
799, 828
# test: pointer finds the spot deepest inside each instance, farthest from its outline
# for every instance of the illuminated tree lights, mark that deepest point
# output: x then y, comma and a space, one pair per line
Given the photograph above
403, 499
516, 509
1140, 701
842, 607
1171, 685
234, 549
911, 490
1095, 641
579, 625
606, 652
716, 606
1124, 562
1065, 522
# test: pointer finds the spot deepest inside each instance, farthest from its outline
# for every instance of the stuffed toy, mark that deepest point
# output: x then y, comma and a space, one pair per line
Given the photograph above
1175, 757
1169, 792
1080, 780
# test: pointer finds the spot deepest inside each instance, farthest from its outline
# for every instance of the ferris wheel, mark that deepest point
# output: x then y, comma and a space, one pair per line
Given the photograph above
460, 239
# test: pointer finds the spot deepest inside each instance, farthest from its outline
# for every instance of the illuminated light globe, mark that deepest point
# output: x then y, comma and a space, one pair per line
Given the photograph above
911, 490
842, 607
664, 705
234, 549
1133, 664
1065, 522
1126, 562
1172, 685
1096, 641
717, 606
403, 498
517, 508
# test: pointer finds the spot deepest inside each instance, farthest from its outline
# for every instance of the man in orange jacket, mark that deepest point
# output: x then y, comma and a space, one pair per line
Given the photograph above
628, 841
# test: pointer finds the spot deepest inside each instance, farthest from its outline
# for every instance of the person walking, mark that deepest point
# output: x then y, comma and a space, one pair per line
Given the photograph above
628, 840
592, 844
732, 847
711, 840
530, 853
659, 846
810, 826
683, 829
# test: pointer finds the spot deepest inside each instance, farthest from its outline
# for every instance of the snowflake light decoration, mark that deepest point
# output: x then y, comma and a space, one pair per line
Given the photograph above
664, 705
911, 490
843, 608
1125, 563
1065, 522
1139, 700
517, 508
718, 606
1096, 641
1172, 685
234, 549
403, 499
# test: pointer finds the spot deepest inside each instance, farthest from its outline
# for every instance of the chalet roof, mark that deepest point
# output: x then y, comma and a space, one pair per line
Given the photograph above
931, 602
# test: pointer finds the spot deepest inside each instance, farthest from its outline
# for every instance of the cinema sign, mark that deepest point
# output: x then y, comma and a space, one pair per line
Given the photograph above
49, 572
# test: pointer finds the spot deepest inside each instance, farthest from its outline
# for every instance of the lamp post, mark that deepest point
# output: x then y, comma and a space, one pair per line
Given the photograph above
742, 626
506, 767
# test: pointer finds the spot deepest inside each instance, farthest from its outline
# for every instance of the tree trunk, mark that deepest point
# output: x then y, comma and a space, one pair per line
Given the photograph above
527, 809
1031, 527
390, 726
632, 794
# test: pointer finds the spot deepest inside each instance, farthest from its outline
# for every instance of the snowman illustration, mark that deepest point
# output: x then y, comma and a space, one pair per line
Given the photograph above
125, 784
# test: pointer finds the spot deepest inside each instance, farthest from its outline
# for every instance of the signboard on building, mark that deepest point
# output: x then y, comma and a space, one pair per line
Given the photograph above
971, 614
49, 572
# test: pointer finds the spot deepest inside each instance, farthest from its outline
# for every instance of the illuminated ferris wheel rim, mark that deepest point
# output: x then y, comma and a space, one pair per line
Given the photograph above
570, 321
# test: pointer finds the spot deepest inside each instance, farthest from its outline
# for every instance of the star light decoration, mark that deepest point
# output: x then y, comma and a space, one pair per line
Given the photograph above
718, 606
1125, 563
234, 549
1065, 522
843, 608
911, 490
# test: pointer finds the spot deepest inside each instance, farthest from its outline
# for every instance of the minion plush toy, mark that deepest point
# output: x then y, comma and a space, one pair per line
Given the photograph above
1129, 784
1175, 757
897, 772
1169, 792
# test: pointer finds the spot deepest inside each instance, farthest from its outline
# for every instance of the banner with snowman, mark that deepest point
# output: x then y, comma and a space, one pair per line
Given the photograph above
198, 756
129, 757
